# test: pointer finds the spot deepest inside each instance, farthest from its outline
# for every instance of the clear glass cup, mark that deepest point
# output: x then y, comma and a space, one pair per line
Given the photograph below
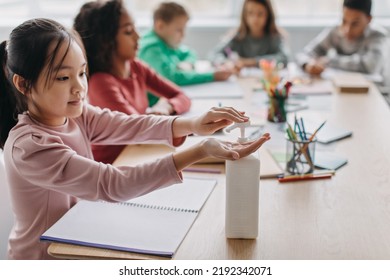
300, 155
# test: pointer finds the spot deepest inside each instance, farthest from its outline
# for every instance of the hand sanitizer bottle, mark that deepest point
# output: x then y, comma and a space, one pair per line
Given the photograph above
242, 193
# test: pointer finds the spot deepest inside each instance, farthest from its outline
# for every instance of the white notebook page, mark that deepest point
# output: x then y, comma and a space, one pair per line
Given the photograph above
148, 228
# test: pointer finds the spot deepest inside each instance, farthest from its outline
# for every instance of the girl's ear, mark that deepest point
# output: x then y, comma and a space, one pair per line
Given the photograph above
158, 26
19, 83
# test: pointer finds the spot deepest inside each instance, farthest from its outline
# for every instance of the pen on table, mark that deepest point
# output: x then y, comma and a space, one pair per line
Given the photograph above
303, 178
202, 170
317, 172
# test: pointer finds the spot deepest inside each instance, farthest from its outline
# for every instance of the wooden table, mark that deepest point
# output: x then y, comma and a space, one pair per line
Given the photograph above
346, 217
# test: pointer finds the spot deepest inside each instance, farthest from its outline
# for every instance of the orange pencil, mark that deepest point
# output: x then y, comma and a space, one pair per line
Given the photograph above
304, 147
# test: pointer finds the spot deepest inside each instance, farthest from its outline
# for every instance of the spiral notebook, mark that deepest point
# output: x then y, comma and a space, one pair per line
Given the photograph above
154, 224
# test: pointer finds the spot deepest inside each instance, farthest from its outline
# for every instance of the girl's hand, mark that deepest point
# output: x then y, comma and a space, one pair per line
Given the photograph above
162, 107
247, 62
212, 147
314, 69
215, 119
232, 150
316, 66
222, 74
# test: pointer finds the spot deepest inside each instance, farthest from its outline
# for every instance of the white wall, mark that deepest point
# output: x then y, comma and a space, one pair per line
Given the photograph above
204, 39
4, 32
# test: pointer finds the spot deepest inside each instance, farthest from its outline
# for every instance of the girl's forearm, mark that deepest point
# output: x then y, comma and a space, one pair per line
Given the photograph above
249, 62
189, 156
182, 127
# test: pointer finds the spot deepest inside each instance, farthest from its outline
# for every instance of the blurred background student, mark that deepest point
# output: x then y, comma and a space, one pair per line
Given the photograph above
161, 48
257, 37
118, 80
355, 45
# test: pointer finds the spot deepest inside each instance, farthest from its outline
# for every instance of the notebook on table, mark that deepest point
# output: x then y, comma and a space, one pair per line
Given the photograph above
329, 133
269, 167
322, 159
351, 83
329, 160
320, 87
154, 224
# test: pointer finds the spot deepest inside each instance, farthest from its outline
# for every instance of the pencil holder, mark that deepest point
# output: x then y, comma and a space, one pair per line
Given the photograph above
276, 109
300, 156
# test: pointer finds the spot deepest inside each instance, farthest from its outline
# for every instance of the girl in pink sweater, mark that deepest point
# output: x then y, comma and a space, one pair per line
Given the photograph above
46, 130
118, 81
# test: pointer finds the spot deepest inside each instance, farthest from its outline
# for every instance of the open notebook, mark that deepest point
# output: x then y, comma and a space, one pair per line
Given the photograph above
155, 223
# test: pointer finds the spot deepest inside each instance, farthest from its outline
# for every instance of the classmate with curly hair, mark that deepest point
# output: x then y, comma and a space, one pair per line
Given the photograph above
118, 80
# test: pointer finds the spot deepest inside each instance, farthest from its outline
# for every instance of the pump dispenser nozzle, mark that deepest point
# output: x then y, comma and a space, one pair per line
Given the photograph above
241, 126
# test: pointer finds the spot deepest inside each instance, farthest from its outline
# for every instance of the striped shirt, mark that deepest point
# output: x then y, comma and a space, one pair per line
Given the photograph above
366, 54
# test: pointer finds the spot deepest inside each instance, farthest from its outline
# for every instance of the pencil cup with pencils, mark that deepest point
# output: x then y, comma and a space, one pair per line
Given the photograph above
300, 155
276, 109
277, 95
300, 148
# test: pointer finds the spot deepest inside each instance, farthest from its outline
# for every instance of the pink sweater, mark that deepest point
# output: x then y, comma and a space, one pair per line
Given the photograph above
130, 96
49, 168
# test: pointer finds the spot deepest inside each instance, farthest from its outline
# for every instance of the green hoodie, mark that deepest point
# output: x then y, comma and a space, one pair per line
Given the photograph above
164, 59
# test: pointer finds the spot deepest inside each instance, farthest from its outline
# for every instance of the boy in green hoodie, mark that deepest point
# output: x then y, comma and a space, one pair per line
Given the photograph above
161, 48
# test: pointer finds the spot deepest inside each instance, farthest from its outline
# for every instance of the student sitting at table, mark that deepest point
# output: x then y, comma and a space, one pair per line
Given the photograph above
47, 128
118, 80
161, 48
257, 37
355, 45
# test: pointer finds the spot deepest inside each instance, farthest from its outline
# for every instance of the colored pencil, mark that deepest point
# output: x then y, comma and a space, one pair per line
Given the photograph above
304, 178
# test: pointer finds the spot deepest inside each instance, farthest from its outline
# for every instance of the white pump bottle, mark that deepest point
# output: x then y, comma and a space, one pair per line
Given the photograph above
242, 193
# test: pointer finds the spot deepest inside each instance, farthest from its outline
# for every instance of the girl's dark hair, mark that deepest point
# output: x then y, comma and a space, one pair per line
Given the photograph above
26, 54
167, 11
360, 5
270, 26
98, 23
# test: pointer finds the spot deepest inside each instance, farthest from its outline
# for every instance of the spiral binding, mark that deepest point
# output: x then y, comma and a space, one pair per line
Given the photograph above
157, 207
